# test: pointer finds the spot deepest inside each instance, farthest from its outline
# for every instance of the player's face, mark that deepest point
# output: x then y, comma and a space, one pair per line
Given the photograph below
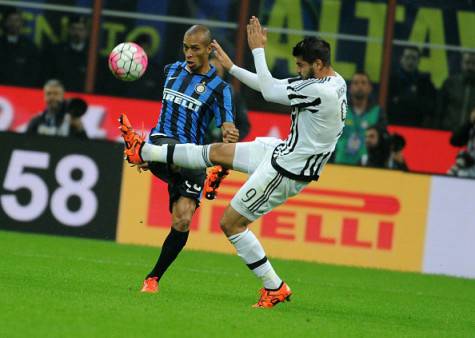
304, 69
196, 49
360, 86
54, 96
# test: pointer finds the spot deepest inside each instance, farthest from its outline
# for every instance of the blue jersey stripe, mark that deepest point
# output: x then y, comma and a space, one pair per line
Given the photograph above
190, 101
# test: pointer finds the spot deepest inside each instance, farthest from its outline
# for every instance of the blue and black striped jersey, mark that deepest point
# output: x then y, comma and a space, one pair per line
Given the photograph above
190, 101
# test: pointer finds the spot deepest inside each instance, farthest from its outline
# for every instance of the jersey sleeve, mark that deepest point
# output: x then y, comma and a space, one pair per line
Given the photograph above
166, 69
223, 106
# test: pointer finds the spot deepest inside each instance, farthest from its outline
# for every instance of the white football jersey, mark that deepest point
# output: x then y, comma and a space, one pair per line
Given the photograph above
318, 117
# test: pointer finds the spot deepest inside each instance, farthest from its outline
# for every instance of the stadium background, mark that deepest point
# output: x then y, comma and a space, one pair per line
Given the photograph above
354, 216
420, 221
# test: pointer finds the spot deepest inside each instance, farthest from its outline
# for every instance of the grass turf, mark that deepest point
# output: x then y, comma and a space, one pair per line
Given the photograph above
66, 287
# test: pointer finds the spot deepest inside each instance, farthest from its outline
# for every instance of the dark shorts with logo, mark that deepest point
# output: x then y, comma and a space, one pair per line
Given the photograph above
181, 182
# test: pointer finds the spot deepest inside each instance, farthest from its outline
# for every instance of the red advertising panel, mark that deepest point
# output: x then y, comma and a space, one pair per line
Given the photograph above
426, 151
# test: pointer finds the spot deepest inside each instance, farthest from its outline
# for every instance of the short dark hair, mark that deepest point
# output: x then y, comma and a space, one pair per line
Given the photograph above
11, 11
76, 106
413, 48
73, 19
313, 48
361, 72
200, 29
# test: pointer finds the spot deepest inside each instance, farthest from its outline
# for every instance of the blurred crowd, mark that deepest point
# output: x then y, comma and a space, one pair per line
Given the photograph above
413, 99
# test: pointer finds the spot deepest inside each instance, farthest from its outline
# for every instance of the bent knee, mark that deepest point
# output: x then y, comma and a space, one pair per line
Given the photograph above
182, 224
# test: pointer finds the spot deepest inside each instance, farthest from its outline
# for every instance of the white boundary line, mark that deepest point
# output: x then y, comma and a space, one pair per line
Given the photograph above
228, 25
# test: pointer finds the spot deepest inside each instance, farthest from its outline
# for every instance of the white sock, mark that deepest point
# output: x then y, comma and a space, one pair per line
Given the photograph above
192, 156
250, 250
154, 153
187, 155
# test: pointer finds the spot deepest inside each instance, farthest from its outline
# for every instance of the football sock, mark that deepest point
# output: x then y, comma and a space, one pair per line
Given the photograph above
250, 250
154, 153
172, 246
190, 156
187, 155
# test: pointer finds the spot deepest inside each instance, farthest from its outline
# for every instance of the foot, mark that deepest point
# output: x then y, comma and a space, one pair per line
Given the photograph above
133, 141
270, 298
213, 180
150, 285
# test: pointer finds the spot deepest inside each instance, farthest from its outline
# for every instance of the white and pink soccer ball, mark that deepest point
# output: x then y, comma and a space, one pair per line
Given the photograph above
128, 61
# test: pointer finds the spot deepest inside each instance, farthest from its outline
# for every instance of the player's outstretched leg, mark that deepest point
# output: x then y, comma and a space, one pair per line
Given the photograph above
188, 155
248, 247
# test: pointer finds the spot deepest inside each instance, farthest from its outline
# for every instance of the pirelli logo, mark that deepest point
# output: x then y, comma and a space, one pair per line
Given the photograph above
181, 99
352, 216
318, 216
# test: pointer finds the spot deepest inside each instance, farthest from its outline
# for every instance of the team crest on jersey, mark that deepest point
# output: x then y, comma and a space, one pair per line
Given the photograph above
200, 88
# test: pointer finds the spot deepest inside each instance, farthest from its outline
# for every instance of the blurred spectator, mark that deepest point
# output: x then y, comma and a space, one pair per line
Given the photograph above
397, 143
464, 136
411, 93
240, 110
377, 147
19, 57
68, 60
457, 96
362, 112
383, 150
60, 118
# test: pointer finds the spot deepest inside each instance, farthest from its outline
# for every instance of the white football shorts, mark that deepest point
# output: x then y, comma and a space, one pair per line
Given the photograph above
266, 188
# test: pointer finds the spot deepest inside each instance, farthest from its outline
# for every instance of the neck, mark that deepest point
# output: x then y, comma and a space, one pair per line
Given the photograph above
205, 68
327, 71
359, 105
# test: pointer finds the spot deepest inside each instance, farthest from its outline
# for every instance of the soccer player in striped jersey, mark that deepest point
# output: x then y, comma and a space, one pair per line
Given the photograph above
193, 94
279, 169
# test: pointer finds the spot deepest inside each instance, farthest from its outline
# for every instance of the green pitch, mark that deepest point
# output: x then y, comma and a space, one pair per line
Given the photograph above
64, 287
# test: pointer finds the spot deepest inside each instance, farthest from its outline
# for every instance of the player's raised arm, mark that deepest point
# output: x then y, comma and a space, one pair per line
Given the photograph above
250, 79
271, 90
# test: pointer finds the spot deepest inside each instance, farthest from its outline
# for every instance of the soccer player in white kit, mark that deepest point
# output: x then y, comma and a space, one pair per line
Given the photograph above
278, 169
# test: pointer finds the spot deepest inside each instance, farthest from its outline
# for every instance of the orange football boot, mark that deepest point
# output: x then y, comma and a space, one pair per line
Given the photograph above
133, 141
270, 298
215, 175
150, 285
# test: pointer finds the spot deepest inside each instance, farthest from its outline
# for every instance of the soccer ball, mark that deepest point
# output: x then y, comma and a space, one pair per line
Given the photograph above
128, 61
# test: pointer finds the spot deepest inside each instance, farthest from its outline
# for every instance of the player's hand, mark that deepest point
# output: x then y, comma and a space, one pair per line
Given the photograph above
221, 55
256, 35
230, 133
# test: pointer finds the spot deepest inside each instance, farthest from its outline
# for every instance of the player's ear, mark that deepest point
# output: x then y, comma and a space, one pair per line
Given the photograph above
317, 65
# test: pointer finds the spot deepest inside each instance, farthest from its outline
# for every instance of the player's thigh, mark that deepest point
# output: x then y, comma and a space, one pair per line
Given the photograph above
263, 191
161, 170
248, 155
186, 183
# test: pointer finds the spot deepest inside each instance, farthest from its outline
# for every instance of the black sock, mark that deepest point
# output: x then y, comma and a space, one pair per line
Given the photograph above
172, 246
